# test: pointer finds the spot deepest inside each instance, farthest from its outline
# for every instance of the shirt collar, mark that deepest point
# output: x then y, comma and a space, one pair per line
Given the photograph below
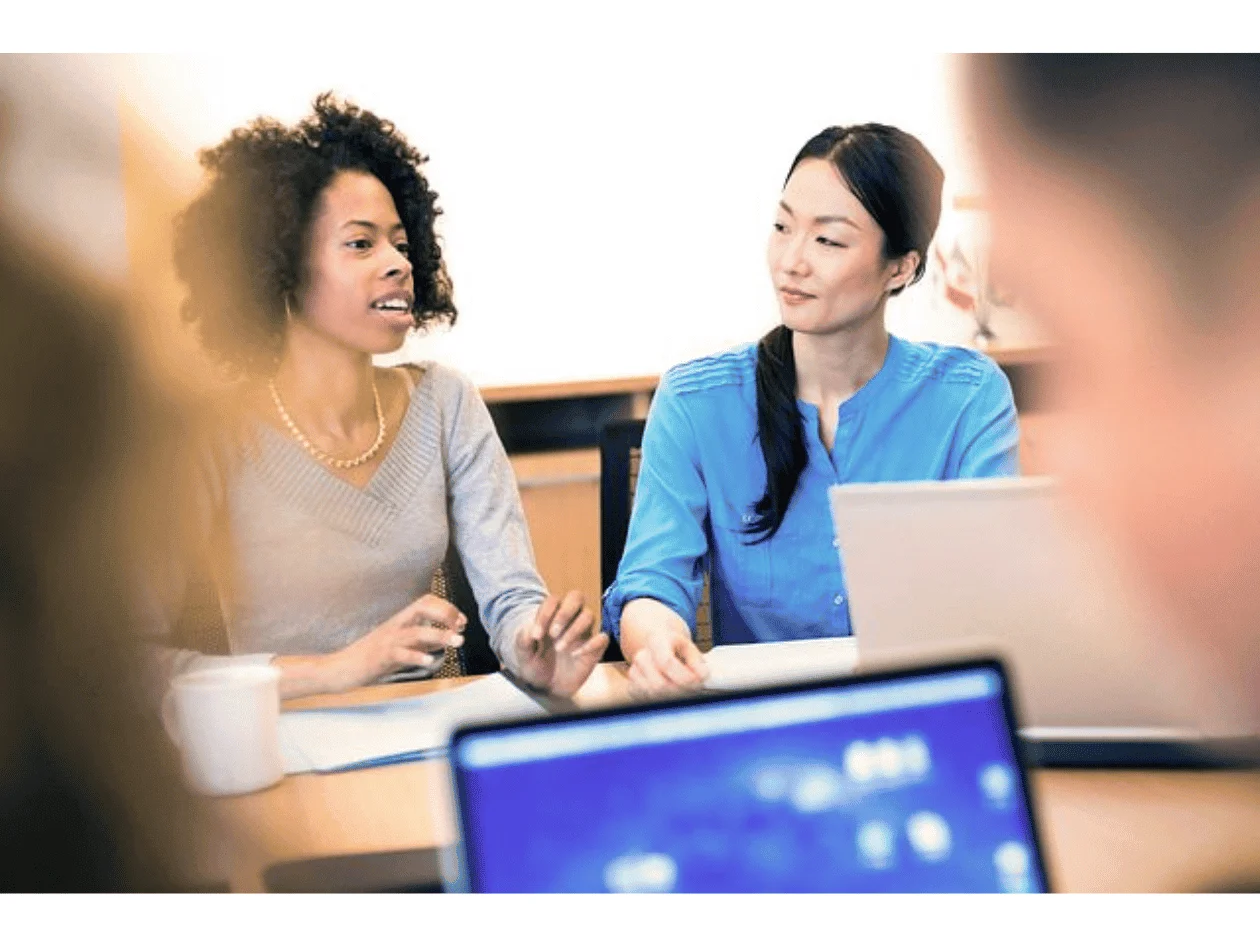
881, 379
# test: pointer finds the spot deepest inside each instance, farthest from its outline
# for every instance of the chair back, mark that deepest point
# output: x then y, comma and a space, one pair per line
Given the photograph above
476, 656
620, 449
199, 625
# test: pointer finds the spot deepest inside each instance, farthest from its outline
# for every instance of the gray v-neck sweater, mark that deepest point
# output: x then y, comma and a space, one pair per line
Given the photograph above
317, 563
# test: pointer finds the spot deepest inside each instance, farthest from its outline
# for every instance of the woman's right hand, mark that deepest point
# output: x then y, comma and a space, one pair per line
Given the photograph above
414, 637
664, 660
667, 665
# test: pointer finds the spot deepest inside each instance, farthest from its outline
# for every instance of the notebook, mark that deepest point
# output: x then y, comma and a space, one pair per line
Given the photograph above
405, 730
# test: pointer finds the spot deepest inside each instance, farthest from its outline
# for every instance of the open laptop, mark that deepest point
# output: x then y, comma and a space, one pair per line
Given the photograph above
997, 566
907, 780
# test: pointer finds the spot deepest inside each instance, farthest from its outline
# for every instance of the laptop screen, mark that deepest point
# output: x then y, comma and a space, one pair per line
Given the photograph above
900, 782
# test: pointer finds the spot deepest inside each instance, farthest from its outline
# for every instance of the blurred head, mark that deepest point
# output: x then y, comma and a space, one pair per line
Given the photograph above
1125, 196
328, 224
854, 221
90, 796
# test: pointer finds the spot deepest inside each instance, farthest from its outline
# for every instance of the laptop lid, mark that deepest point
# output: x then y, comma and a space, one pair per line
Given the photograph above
900, 781
996, 566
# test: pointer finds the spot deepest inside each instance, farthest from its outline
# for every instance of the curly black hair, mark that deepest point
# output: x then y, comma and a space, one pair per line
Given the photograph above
241, 247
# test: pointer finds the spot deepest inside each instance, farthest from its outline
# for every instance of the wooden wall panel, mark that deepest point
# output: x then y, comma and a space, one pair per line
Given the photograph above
560, 495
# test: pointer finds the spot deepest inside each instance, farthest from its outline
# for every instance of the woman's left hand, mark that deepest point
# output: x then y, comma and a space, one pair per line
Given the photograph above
558, 651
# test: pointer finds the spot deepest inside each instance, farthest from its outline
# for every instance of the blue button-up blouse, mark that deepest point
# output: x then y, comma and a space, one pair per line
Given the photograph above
932, 412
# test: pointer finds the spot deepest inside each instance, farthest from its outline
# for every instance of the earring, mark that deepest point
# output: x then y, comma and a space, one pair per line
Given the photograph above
287, 311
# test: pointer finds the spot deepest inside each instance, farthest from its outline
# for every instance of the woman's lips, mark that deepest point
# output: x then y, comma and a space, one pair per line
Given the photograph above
795, 296
396, 318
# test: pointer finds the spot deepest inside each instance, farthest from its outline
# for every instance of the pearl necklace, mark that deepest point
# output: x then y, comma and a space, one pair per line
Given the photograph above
319, 454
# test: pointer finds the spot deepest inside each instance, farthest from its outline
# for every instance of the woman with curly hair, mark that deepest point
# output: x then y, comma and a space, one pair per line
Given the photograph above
311, 250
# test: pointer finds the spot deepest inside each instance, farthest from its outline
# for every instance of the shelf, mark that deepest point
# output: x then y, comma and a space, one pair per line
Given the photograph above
563, 390
646, 384
568, 415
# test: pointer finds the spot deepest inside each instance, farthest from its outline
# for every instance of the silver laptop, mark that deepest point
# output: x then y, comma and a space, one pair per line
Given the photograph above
999, 565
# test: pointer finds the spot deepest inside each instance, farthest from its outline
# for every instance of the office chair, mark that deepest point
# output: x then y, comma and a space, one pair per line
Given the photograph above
200, 625
476, 656
620, 448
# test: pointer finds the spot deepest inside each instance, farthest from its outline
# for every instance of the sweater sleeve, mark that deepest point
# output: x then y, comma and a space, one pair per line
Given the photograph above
486, 519
164, 583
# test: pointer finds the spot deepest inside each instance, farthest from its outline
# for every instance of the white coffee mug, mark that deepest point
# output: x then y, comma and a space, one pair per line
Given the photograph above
225, 721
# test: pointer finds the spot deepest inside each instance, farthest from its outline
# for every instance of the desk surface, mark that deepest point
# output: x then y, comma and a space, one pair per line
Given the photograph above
1102, 830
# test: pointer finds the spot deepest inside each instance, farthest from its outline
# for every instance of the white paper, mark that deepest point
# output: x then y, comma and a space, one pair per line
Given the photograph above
325, 740
740, 666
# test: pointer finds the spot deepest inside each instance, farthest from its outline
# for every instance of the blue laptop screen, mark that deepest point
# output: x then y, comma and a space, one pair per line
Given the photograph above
901, 784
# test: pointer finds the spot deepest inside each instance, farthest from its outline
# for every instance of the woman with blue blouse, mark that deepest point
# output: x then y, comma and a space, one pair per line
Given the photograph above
741, 447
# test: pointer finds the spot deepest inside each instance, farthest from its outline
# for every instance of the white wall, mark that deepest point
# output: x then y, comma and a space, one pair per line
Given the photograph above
60, 168
607, 201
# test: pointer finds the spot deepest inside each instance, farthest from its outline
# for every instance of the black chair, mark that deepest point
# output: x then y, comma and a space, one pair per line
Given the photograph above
620, 448
476, 655
200, 625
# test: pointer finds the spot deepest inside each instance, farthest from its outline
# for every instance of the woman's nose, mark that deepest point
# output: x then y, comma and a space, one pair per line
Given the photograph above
792, 259
399, 264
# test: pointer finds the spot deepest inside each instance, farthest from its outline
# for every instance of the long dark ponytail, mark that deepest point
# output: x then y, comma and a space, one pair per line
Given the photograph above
899, 183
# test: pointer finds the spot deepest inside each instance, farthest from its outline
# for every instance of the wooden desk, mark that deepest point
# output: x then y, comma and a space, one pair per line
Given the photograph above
1102, 830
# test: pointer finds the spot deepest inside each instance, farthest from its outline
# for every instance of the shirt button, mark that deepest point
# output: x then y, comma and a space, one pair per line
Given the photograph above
838, 599
746, 518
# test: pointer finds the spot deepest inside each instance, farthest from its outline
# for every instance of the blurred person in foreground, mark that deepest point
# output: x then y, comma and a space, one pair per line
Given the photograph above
1125, 201
90, 794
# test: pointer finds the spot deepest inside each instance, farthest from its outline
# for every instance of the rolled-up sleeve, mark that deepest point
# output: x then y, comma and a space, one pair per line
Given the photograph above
666, 544
488, 524
989, 431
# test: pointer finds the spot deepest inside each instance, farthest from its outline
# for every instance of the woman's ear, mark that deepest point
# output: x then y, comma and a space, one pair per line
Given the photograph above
903, 272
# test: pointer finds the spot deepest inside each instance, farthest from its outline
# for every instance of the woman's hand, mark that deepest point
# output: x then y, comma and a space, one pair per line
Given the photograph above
664, 660
667, 665
414, 637
558, 651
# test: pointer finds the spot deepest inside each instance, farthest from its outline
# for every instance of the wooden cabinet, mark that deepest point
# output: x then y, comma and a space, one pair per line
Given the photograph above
560, 495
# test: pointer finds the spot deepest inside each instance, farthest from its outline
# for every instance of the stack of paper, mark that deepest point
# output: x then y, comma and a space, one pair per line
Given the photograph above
335, 739
349, 737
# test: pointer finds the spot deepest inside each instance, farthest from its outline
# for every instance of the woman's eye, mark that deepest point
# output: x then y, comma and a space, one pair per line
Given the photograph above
404, 248
780, 227
825, 242
360, 244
